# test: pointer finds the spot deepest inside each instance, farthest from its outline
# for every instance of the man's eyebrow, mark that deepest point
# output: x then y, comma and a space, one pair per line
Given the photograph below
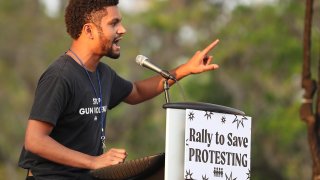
115, 20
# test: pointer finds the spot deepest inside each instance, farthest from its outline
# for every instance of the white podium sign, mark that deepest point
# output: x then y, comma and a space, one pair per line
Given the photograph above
217, 146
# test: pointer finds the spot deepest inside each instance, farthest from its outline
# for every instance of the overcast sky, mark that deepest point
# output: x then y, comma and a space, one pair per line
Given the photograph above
133, 6
52, 6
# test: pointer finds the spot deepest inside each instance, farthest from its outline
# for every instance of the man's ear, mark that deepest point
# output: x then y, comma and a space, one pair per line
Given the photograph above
88, 30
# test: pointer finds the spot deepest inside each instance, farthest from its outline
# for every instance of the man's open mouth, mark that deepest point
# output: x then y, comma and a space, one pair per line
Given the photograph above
116, 42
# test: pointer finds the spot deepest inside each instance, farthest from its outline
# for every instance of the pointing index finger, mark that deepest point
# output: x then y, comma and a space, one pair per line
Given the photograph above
210, 47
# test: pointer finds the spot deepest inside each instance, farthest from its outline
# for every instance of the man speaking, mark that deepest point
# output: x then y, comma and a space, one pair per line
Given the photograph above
65, 134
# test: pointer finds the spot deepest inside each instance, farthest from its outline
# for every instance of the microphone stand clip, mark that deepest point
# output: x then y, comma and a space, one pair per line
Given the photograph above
166, 90
167, 76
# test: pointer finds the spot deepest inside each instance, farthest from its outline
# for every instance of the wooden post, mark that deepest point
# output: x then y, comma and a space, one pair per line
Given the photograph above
307, 114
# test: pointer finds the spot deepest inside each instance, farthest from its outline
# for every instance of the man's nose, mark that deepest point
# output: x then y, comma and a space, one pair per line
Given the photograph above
121, 29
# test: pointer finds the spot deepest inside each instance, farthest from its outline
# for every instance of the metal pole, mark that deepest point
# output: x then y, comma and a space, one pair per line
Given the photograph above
166, 90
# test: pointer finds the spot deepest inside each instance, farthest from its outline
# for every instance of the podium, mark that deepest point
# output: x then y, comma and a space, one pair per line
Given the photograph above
222, 151
175, 133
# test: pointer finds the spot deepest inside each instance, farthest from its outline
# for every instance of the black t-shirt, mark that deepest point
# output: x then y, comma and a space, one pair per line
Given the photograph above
66, 99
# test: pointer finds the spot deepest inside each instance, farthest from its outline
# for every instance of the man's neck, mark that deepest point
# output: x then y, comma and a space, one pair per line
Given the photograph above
83, 55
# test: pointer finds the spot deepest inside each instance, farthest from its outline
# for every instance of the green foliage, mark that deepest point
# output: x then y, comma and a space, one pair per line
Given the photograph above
260, 58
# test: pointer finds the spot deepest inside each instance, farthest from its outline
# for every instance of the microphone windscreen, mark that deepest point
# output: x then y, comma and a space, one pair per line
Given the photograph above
140, 59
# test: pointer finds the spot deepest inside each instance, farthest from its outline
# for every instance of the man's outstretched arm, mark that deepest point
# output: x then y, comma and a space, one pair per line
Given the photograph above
151, 87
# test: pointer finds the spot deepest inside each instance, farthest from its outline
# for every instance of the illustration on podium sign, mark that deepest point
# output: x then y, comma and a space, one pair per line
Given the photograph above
217, 146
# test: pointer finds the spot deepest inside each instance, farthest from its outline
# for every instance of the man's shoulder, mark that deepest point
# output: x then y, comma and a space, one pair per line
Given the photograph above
62, 68
62, 65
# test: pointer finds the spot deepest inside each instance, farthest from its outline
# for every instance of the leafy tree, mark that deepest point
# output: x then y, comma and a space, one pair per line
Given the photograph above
259, 54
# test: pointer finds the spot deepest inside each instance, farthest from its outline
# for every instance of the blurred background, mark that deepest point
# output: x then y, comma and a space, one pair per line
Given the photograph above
260, 58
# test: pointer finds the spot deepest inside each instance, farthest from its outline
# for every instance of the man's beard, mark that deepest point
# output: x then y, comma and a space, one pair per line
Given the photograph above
108, 50
112, 55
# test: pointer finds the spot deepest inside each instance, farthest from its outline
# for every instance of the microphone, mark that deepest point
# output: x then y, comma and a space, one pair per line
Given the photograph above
143, 61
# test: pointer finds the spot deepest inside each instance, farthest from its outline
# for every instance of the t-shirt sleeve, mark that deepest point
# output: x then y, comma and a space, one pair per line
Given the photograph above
120, 89
50, 99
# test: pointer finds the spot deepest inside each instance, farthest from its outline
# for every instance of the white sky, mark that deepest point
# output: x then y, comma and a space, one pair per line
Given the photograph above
134, 6
52, 6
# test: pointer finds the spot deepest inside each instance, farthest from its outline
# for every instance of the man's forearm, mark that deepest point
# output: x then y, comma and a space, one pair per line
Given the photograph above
48, 148
39, 142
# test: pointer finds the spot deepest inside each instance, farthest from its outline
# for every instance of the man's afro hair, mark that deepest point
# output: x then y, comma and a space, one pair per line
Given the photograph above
78, 13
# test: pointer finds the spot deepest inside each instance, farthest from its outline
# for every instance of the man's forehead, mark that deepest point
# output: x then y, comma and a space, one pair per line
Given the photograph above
111, 12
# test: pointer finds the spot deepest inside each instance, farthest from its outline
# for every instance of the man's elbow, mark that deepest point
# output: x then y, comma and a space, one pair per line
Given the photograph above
28, 144
31, 144
37, 134
132, 99
131, 102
